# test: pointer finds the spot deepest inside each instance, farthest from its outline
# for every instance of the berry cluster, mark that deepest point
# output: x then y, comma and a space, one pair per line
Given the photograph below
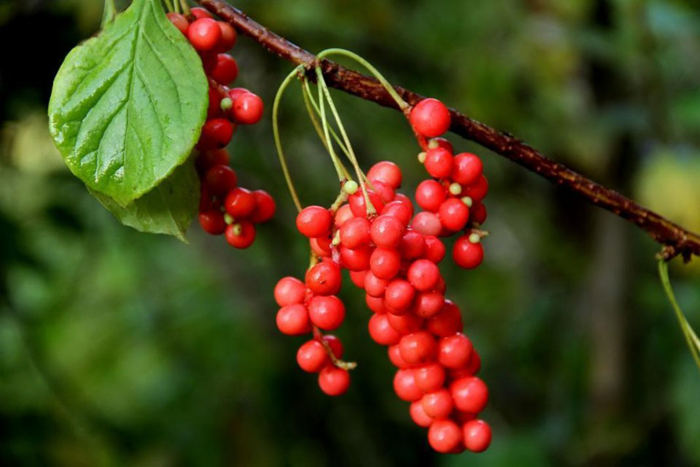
393, 255
225, 207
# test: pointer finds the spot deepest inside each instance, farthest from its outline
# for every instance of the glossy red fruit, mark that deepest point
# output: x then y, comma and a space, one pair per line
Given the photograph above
358, 278
228, 37
289, 291
454, 351
387, 172
212, 222
438, 162
293, 320
328, 312
399, 295
470, 394
381, 331
324, 278
427, 223
477, 435
334, 381
429, 304
478, 190
209, 159
438, 404
220, 179
447, 322
265, 207
375, 286
478, 212
400, 197
240, 203
240, 235
412, 245
375, 304
385, 263
429, 377
247, 108
357, 259
453, 214
204, 34
430, 195
445, 436
467, 255
343, 215
357, 203
418, 415
214, 109
467, 168
442, 143
199, 13
395, 357
430, 118
474, 364
314, 221
225, 71
418, 347
387, 232
335, 344
423, 275
405, 386
355, 232
398, 210
179, 21
312, 356
406, 323
434, 249
216, 134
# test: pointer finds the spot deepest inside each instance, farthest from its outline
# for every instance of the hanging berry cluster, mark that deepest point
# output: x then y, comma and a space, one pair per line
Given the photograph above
225, 207
393, 255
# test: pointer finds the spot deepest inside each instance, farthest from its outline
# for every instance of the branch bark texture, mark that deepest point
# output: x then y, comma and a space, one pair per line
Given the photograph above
675, 239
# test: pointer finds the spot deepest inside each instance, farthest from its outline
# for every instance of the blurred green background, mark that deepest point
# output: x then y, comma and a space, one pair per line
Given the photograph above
121, 348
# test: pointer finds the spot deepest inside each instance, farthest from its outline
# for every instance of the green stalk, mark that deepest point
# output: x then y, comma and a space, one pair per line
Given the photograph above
276, 135
110, 11
690, 336
185, 7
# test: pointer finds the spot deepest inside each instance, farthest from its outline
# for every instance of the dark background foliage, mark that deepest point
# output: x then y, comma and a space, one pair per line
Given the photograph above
120, 348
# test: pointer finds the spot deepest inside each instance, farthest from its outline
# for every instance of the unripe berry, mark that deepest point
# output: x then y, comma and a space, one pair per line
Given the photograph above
430, 118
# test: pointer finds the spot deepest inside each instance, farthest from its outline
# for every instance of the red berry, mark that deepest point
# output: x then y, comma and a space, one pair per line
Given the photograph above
199, 13
405, 386
293, 320
335, 345
228, 37
209, 159
400, 197
212, 222
438, 162
399, 295
454, 351
387, 172
375, 286
418, 347
429, 377
214, 109
334, 381
216, 134
427, 223
358, 278
478, 190
385, 263
453, 214
412, 245
429, 304
376, 304
395, 357
438, 404
342, 215
430, 118
478, 212
466, 254
357, 259
385, 192
406, 323
423, 275
225, 70
328, 313
357, 203
289, 291
265, 207
324, 278
443, 143
419, 416
467, 168
445, 436
204, 34
220, 179
470, 394
447, 322
386, 232
240, 203
247, 108
312, 356
430, 195
355, 232
474, 364
434, 249
398, 210
314, 221
477, 435
179, 21
240, 235
381, 331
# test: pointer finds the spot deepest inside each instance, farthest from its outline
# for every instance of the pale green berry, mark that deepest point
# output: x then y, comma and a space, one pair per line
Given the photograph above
226, 104
456, 189
468, 201
350, 187
474, 238
421, 157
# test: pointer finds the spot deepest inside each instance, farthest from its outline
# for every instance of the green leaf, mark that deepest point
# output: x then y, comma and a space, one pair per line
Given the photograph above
128, 105
167, 209
110, 11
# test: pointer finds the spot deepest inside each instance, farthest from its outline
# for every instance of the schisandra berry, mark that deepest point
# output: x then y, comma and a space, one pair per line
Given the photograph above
228, 37
179, 21
477, 435
445, 436
289, 291
212, 222
327, 312
470, 394
199, 13
466, 254
334, 381
204, 34
265, 207
225, 71
438, 404
324, 279
439, 162
454, 351
247, 108
430, 118
221, 179
240, 203
312, 356
387, 172
240, 235
467, 169
293, 320
405, 386
419, 416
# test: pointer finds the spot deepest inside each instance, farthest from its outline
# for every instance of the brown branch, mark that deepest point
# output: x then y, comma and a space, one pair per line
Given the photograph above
675, 239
